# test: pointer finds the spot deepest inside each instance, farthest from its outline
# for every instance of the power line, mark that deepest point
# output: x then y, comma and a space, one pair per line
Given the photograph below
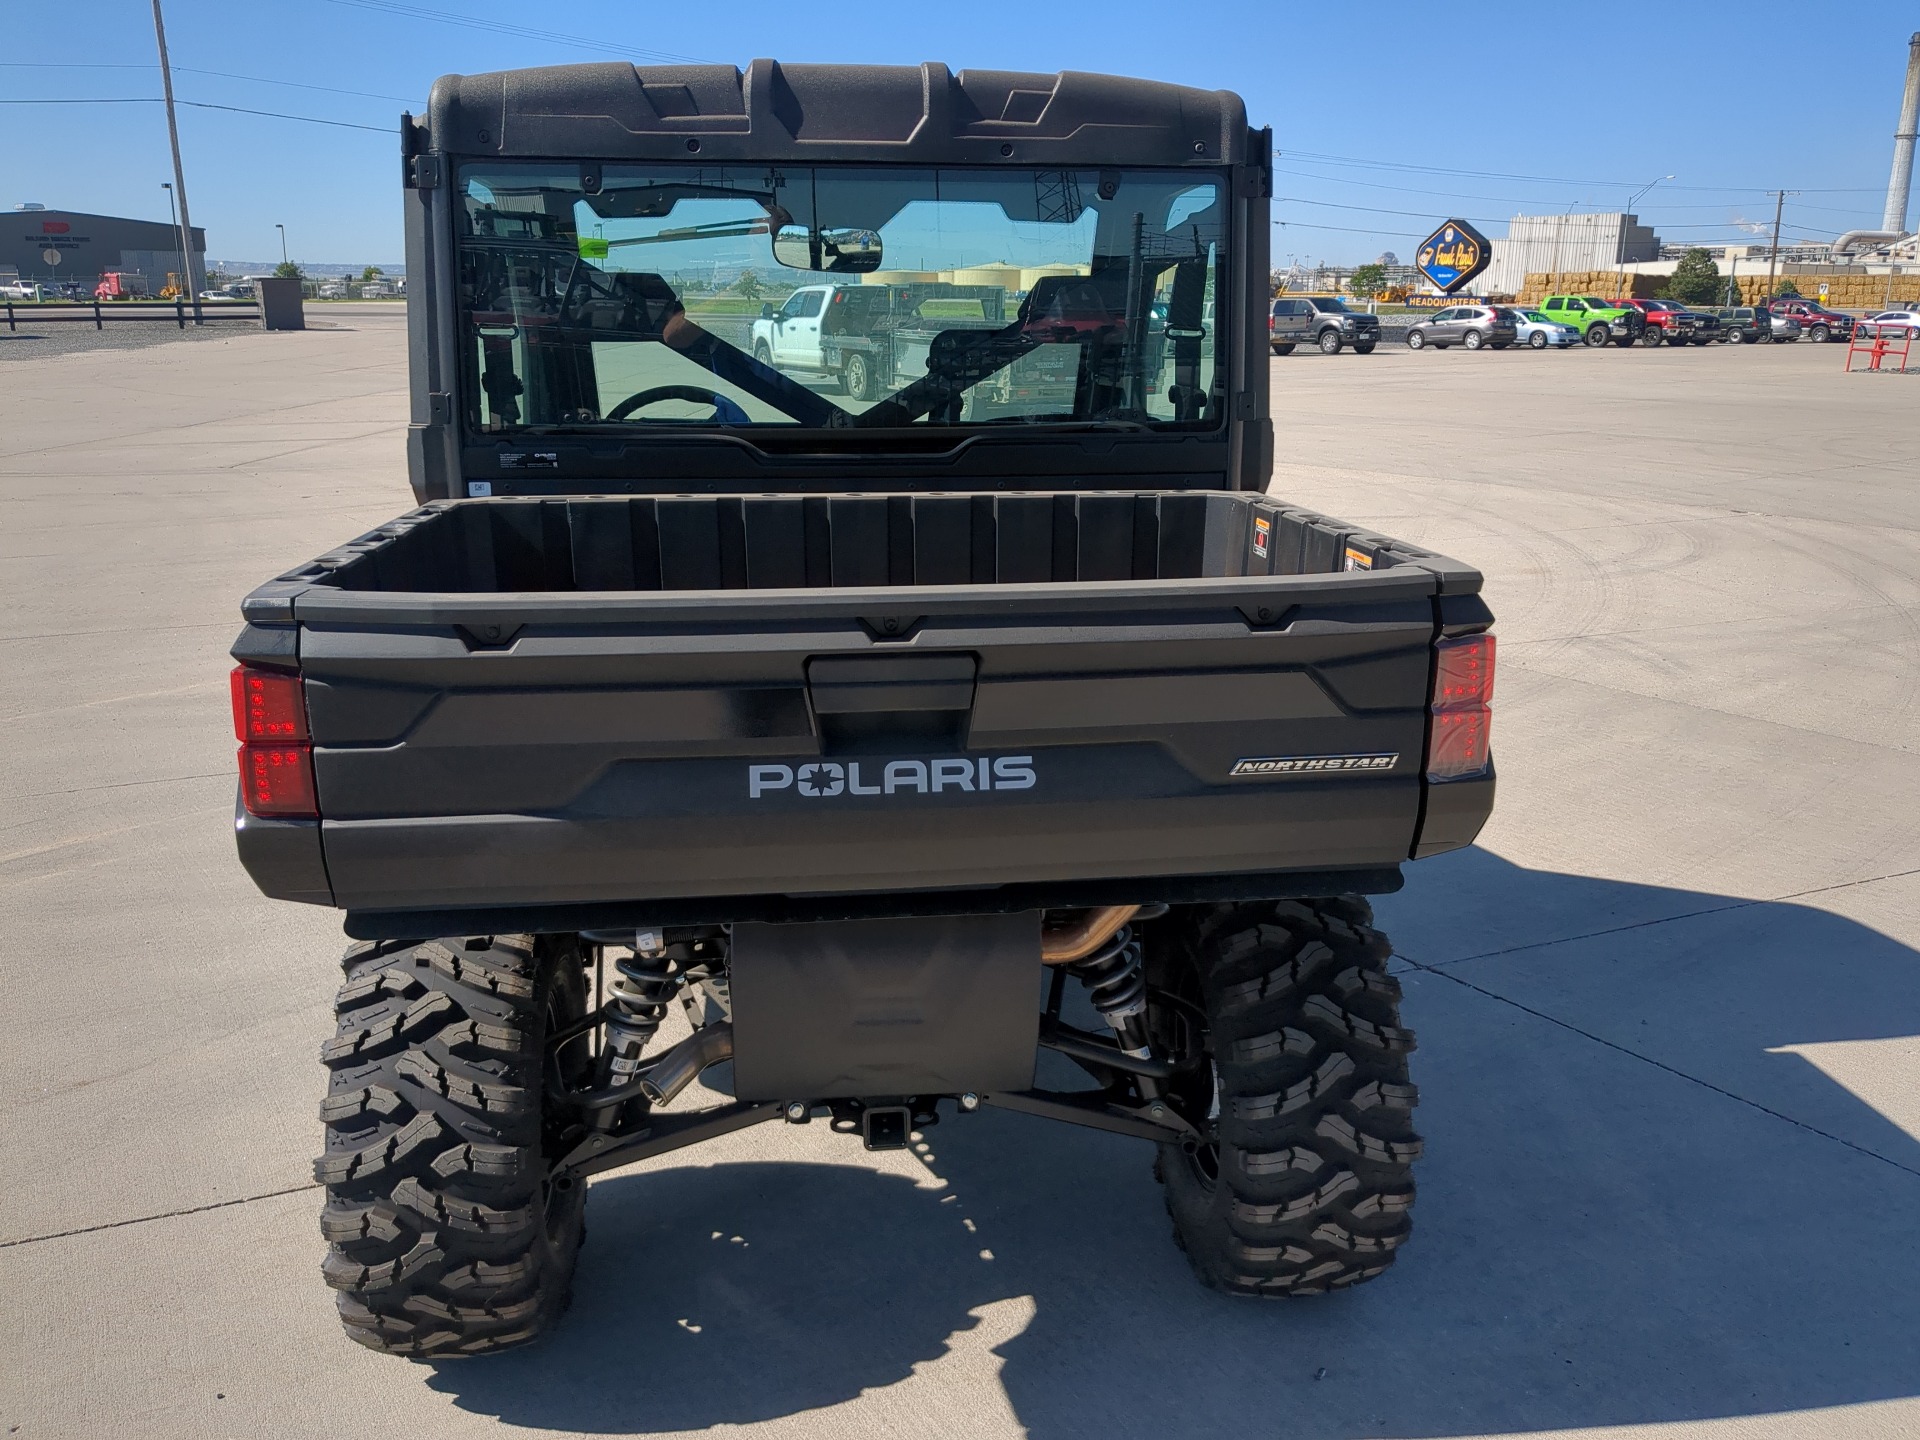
1512, 199
501, 27
1348, 229
1312, 157
1372, 209
208, 105
305, 119
190, 70
1473, 219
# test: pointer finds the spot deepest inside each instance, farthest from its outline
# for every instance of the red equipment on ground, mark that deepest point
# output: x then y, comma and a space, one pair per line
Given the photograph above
1877, 342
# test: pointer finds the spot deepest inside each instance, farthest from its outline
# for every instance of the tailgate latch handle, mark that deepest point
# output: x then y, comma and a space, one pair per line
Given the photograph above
890, 684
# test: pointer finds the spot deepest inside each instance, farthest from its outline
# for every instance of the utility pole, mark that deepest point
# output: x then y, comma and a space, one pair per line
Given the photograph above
179, 175
1773, 251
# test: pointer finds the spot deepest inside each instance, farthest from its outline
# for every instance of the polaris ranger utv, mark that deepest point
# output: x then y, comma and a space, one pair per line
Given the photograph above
706, 715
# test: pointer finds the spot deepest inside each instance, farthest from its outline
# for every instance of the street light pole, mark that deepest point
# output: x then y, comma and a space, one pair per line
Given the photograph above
179, 174
283, 243
1559, 229
1620, 276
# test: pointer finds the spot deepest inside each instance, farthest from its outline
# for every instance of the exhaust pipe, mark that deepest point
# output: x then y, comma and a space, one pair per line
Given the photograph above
682, 1065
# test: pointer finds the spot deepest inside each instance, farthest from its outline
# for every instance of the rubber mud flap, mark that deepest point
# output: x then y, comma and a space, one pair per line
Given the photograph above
935, 1006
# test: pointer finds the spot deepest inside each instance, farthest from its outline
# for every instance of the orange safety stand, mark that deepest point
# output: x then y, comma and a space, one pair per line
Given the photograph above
1874, 342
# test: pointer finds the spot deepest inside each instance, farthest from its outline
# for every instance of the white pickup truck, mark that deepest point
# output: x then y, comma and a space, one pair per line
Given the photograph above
789, 338
873, 338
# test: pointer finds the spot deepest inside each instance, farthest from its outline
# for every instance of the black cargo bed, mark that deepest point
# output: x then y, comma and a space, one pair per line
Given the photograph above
536, 712
526, 545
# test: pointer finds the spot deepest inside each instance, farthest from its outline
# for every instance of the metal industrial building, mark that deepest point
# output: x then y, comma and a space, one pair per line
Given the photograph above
46, 244
1565, 244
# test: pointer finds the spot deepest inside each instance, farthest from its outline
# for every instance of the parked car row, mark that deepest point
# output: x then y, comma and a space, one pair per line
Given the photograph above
1563, 321
45, 290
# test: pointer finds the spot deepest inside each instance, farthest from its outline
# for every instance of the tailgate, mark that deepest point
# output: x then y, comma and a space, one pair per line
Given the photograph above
1002, 743
474, 752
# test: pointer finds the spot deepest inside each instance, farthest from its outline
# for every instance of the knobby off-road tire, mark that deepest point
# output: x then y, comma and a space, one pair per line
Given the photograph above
447, 1234
1308, 1185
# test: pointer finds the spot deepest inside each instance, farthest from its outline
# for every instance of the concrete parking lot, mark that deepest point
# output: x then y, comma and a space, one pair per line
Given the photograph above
1669, 1006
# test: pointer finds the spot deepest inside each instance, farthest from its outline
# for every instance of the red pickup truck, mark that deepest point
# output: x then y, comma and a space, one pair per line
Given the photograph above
1671, 323
1819, 322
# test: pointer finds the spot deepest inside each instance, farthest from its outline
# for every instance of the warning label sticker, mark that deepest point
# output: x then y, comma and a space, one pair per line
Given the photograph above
1262, 533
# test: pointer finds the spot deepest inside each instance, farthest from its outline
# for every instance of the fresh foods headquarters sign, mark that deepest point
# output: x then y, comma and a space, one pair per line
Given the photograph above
1453, 255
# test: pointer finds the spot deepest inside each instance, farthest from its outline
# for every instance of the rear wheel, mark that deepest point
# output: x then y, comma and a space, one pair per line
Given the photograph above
449, 1233
1653, 339
1304, 1181
1473, 340
1285, 347
1330, 342
858, 377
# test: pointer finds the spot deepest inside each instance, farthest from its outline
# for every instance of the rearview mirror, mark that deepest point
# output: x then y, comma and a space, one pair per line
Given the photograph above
841, 251
766, 310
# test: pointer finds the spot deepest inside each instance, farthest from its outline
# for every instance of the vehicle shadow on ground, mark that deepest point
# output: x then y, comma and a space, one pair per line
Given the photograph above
1599, 1241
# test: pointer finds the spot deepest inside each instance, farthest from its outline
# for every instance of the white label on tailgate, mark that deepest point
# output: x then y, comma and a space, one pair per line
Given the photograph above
1256, 767
825, 779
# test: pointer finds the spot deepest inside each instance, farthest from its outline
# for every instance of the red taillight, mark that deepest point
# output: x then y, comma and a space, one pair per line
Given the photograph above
268, 705
278, 780
1462, 691
276, 762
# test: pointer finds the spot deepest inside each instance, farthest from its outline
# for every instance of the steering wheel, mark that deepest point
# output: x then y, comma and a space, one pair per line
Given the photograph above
691, 393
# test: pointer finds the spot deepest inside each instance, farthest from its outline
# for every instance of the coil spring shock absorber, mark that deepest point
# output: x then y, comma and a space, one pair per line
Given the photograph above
1116, 980
637, 1001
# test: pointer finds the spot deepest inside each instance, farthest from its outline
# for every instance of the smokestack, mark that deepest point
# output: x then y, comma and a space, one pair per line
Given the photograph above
1896, 217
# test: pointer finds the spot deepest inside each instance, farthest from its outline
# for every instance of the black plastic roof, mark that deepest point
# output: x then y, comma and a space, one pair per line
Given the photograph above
869, 113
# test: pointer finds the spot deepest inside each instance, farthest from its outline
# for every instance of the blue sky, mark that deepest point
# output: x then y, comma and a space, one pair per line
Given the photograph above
1377, 109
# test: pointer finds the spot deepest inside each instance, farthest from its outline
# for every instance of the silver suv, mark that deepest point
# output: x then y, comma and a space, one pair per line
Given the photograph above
1320, 320
1473, 327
